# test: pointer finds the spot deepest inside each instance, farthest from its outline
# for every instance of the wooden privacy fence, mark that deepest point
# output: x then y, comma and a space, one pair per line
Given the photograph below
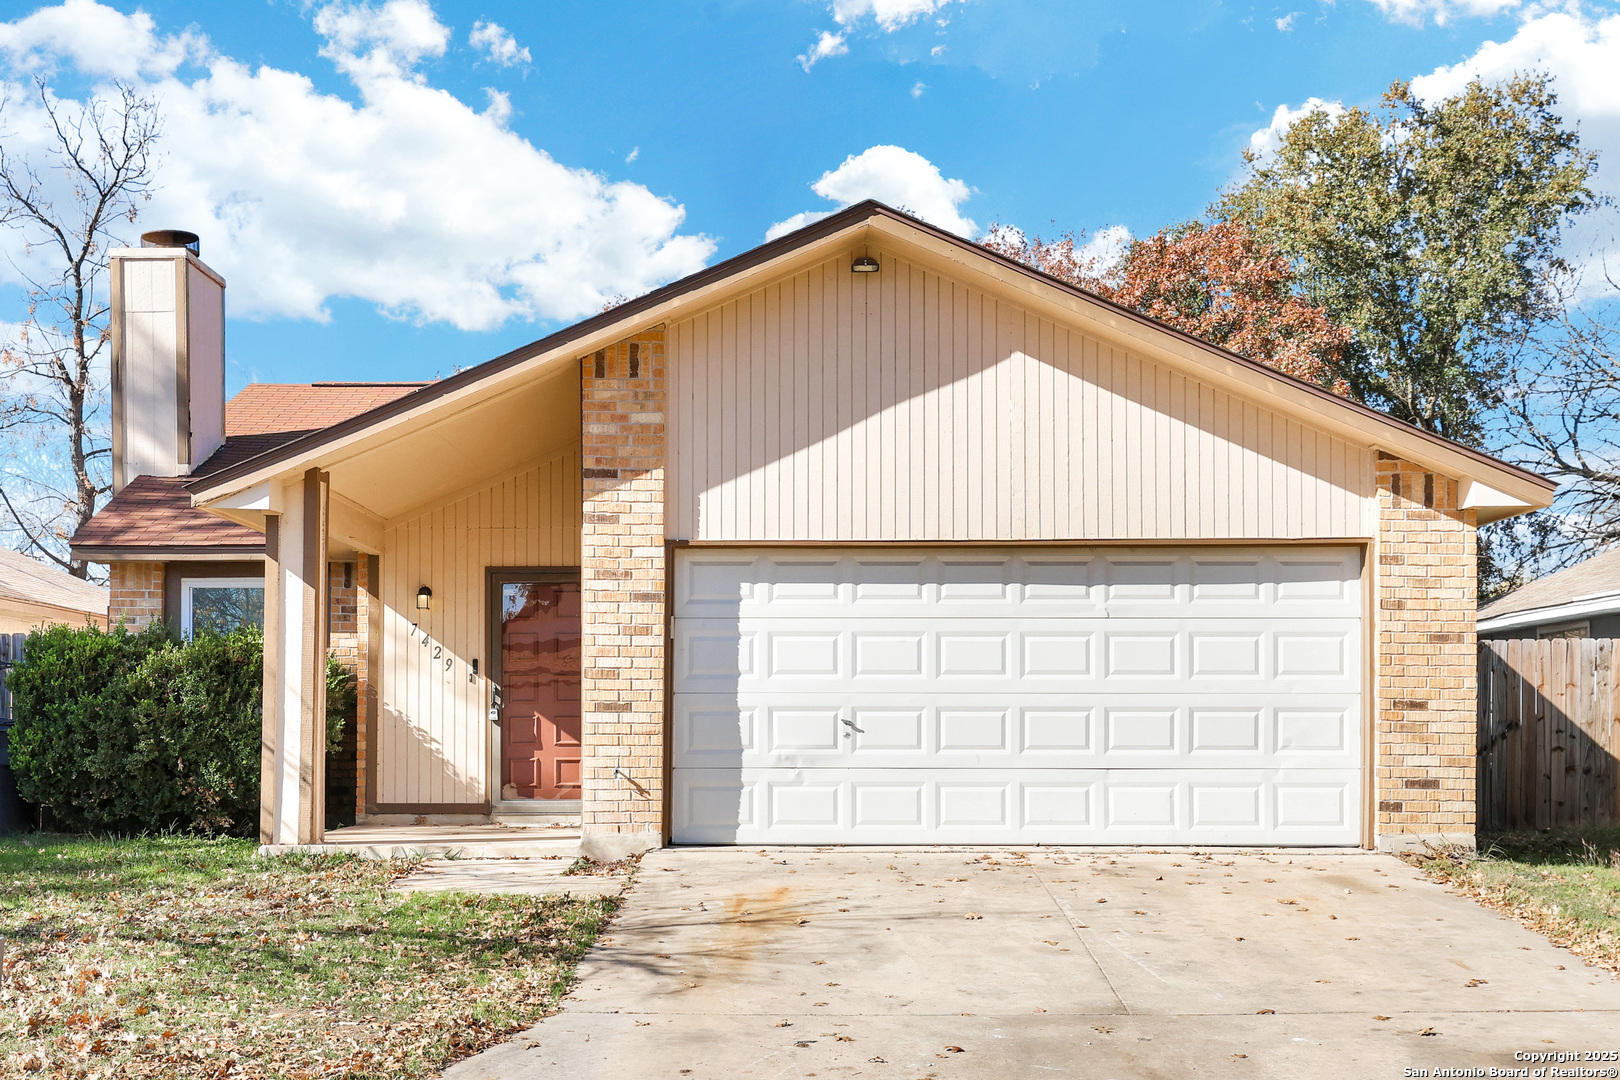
1549, 733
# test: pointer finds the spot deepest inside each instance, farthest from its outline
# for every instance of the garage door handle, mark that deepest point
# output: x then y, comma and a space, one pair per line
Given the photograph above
851, 724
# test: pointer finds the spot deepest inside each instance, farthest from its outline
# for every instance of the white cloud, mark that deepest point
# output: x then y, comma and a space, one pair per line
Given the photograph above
96, 41
826, 45
1581, 53
1264, 143
493, 40
1286, 23
1105, 248
893, 175
634, 153
917, 90
1417, 12
891, 15
387, 40
407, 198
888, 15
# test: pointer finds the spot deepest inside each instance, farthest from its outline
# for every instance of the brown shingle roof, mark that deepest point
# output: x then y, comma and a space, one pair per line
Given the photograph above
1597, 575
31, 581
153, 514
274, 407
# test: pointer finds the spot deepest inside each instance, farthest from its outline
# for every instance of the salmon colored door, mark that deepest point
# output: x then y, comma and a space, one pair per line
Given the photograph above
540, 703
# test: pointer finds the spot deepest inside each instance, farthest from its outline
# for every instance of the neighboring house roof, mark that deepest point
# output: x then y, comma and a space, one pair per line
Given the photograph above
152, 516
32, 582
1532, 490
1588, 588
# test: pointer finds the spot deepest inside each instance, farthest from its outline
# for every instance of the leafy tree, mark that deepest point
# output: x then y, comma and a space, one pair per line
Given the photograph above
1431, 231
92, 178
1218, 281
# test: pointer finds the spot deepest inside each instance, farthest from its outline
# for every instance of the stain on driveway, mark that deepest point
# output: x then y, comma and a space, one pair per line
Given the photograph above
978, 963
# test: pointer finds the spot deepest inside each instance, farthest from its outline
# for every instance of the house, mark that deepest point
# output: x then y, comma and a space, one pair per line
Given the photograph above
33, 595
867, 535
1578, 601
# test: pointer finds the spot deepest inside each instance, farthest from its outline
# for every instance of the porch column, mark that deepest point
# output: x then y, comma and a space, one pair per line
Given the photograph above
622, 575
292, 793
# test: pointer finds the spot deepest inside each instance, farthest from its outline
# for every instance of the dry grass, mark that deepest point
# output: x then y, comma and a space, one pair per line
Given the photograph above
184, 957
1562, 884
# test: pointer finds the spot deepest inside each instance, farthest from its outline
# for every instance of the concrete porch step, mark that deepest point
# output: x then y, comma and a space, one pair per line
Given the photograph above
533, 812
452, 842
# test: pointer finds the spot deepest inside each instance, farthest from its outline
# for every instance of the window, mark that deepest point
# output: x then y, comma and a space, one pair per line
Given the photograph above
1566, 630
220, 605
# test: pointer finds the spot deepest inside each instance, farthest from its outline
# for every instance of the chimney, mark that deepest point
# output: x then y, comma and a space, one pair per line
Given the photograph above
168, 357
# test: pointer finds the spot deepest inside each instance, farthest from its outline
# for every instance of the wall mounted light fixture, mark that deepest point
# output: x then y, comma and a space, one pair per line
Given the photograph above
424, 598
864, 265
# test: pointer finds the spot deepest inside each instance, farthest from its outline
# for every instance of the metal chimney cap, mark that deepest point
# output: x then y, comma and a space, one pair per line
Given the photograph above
172, 238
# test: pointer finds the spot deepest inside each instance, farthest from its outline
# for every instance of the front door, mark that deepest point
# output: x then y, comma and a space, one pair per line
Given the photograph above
540, 700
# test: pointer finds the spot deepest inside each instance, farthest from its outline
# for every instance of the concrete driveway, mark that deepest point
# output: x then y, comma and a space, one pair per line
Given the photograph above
928, 963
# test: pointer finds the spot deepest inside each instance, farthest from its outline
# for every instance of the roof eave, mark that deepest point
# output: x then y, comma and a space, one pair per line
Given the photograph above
1522, 490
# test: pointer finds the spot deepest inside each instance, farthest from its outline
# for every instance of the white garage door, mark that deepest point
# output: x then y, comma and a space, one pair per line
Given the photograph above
1115, 696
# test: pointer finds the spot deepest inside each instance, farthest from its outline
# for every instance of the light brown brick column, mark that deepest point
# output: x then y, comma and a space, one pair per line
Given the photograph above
622, 584
135, 594
1425, 577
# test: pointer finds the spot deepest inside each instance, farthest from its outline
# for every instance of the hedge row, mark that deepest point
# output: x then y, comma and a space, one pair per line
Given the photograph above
137, 730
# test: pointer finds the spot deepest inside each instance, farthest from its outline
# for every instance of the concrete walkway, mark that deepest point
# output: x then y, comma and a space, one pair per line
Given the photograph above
776, 963
529, 877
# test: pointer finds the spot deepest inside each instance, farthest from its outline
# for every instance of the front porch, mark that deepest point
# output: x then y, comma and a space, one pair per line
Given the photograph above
441, 842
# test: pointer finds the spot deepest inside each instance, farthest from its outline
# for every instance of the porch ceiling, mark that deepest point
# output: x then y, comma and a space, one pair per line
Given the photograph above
442, 455
398, 469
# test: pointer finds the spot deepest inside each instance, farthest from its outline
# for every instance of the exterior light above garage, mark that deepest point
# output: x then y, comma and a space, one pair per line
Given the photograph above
864, 265
424, 598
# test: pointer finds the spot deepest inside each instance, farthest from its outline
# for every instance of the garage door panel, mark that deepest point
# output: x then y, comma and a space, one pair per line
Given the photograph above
1131, 696
981, 806
1052, 731
1015, 656
1121, 583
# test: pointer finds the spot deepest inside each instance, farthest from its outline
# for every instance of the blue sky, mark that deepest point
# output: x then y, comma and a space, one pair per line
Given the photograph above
398, 189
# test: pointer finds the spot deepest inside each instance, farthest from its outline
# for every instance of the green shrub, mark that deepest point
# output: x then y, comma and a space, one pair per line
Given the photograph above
342, 697
139, 731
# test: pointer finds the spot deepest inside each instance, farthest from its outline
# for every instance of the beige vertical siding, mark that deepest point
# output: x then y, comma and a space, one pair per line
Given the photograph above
433, 740
903, 405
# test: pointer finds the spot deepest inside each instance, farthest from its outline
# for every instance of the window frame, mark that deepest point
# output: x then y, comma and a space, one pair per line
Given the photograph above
189, 585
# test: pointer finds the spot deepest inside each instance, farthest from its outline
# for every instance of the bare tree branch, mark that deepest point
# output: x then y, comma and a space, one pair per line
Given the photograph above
53, 382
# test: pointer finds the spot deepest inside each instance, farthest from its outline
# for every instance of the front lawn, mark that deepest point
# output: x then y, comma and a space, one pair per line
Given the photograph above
1563, 884
178, 956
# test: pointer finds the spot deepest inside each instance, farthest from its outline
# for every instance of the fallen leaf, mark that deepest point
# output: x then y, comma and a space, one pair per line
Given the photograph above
784, 1023
1476, 982
1428, 1031
973, 915
1265, 1012
1102, 1029
954, 1050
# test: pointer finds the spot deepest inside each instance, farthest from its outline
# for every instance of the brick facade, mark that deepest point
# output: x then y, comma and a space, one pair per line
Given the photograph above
622, 577
135, 593
1426, 658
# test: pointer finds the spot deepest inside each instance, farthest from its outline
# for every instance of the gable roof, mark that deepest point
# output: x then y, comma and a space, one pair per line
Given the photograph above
1594, 585
153, 516
645, 310
31, 581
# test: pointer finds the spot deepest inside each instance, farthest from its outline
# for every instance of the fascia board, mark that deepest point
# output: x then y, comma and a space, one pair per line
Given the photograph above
1604, 605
